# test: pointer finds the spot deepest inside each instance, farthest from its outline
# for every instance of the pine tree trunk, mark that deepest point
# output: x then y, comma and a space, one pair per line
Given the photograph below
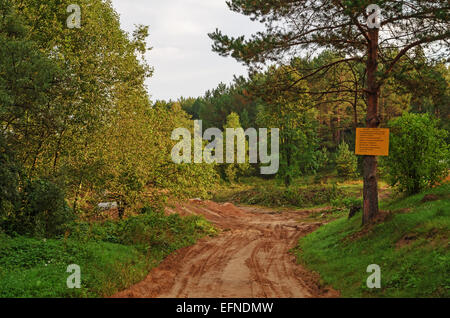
370, 191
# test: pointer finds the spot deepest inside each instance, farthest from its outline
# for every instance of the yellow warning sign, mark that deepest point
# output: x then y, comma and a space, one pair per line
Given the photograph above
372, 142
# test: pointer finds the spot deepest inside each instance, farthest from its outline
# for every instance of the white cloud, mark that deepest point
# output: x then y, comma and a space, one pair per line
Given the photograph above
182, 57
170, 53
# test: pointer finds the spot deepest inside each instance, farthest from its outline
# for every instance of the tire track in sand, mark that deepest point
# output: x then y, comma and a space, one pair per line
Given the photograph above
249, 259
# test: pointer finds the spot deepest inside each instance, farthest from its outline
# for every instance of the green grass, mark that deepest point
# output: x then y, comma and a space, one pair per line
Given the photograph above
341, 251
112, 255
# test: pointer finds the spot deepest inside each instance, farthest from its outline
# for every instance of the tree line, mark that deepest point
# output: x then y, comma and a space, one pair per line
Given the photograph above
77, 124
316, 127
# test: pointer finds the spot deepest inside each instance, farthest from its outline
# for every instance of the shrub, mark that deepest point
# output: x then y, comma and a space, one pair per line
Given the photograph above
9, 183
346, 162
34, 208
149, 230
346, 202
44, 210
230, 173
419, 154
323, 159
275, 196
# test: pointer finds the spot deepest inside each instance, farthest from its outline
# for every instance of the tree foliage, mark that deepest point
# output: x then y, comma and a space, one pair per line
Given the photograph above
233, 171
419, 155
76, 117
346, 162
297, 27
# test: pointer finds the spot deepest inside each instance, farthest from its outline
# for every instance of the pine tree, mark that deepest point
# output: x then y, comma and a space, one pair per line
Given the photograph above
346, 162
351, 29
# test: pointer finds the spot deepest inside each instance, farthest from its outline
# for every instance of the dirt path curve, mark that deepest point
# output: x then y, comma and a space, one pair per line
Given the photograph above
250, 258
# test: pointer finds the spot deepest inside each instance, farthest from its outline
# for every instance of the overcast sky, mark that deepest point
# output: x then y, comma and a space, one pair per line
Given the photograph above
182, 57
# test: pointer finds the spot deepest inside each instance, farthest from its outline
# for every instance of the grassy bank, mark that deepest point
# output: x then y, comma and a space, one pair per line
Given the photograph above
112, 255
410, 244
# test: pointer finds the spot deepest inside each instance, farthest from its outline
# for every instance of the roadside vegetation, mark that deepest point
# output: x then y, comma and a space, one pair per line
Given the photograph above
309, 191
410, 242
112, 255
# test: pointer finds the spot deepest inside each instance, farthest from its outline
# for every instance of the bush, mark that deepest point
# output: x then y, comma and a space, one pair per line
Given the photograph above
9, 183
275, 196
34, 208
346, 162
419, 154
323, 159
230, 172
44, 211
149, 230
347, 202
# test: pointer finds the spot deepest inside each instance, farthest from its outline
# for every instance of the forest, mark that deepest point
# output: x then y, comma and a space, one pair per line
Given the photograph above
87, 176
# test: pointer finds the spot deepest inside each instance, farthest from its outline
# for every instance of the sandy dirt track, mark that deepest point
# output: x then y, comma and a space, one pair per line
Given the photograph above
249, 258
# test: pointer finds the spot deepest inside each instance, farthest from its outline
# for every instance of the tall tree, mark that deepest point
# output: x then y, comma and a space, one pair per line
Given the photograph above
347, 26
293, 115
233, 171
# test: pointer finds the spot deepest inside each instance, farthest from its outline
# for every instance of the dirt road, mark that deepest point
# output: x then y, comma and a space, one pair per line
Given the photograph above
250, 258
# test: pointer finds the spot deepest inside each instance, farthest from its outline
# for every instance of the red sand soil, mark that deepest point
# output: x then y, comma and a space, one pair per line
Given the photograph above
249, 259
